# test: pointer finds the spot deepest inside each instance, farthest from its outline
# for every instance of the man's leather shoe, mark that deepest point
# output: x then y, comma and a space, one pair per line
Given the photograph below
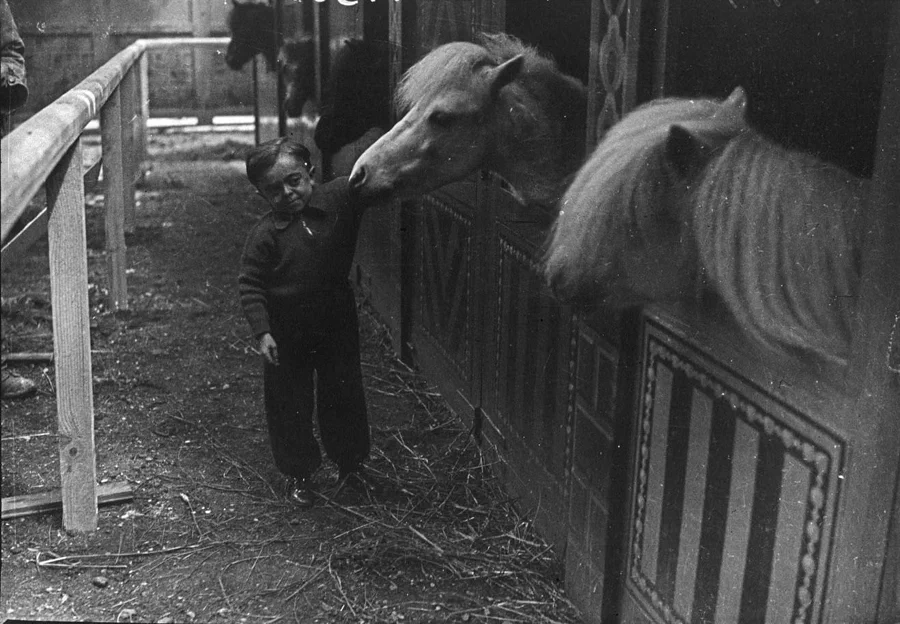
301, 494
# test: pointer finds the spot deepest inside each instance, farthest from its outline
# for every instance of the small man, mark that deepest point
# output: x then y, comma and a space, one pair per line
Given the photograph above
295, 294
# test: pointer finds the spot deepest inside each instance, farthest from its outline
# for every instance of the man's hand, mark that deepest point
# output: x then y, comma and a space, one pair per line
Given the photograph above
268, 349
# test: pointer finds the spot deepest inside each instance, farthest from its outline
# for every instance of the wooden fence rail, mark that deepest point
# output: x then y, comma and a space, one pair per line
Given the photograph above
46, 152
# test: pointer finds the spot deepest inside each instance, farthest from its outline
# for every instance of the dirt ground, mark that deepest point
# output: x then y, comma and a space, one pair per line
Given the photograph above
209, 536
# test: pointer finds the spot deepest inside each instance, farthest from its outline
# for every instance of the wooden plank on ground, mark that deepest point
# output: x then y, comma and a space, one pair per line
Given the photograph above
38, 356
43, 502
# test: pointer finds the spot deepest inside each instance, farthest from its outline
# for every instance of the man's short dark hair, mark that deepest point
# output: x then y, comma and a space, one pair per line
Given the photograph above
262, 157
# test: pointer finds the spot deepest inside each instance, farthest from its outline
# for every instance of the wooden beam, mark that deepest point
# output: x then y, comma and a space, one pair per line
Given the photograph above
17, 247
34, 148
72, 341
203, 59
43, 502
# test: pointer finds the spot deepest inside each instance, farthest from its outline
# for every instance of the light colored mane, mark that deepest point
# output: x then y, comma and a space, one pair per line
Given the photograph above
451, 66
617, 189
539, 128
774, 232
777, 232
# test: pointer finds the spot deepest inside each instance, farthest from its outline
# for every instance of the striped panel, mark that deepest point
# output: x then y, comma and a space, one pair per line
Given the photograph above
726, 490
657, 469
692, 516
527, 385
795, 484
446, 281
737, 523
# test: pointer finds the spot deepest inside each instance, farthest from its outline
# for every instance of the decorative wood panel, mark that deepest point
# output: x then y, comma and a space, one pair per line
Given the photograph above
734, 499
445, 267
612, 78
593, 428
532, 354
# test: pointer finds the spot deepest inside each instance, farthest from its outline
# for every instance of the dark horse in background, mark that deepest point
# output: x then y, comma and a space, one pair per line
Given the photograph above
252, 25
357, 96
356, 107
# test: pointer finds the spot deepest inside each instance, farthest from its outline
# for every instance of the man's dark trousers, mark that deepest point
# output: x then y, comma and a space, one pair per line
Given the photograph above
290, 398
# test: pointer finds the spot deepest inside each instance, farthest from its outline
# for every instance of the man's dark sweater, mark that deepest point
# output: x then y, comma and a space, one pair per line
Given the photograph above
295, 268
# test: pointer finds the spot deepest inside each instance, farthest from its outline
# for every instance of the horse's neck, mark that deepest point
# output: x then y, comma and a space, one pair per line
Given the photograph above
539, 141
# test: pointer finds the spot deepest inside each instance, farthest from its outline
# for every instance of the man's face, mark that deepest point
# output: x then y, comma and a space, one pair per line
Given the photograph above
286, 185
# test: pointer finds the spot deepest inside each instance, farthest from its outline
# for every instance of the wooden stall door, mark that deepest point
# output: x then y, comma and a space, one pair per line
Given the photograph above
762, 490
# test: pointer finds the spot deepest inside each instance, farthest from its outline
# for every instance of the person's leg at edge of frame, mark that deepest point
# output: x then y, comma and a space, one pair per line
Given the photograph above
12, 385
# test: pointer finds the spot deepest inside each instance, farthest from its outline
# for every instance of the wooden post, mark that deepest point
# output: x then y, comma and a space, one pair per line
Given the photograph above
866, 585
278, 8
111, 127
257, 121
128, 96
203, 58
144, 105
72, 341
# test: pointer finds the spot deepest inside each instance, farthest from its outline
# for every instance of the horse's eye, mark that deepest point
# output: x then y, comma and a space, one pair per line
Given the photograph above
441, 119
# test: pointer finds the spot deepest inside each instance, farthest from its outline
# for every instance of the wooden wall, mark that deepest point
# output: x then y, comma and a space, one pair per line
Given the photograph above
680, 475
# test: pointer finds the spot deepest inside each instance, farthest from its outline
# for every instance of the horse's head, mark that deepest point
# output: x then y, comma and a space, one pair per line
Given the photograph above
357, 97
624, 235
252, 25
296, 63
447, 133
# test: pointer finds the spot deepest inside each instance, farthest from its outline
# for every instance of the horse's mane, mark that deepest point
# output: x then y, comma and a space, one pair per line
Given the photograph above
777, 239
615, 189
774, 230
452, 64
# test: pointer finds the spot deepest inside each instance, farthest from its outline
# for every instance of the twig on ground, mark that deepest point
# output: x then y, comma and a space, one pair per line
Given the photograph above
305, 583
337, 581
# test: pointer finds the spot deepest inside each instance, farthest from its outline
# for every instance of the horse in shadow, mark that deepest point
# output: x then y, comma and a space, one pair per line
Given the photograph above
252, 26
356, 103
357, 96
498, 105
682, 198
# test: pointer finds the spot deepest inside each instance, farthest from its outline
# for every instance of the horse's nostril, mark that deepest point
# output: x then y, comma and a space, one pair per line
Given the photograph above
357, 177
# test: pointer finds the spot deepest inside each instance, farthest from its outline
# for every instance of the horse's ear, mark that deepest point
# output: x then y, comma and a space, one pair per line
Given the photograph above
737, 102
684, 152
505, 73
